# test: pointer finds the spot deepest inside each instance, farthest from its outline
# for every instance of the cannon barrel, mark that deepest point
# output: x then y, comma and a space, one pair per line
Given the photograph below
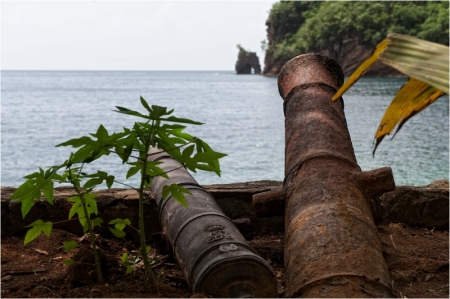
332, 247
211, 252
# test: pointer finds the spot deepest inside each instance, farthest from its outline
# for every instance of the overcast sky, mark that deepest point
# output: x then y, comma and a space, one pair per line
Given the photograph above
124, 35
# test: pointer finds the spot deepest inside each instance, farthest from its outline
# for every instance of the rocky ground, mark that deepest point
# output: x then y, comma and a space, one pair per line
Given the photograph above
417, 256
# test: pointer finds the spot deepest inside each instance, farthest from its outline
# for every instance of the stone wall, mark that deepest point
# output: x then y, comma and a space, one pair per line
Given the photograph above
413, 206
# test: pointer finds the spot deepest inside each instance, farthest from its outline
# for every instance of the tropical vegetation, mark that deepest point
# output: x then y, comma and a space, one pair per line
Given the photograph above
299, 27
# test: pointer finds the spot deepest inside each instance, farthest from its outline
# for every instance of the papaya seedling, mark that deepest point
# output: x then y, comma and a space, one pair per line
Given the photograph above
159, 129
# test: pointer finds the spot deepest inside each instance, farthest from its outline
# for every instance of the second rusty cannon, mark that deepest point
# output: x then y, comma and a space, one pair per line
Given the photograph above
332, 247
213, 255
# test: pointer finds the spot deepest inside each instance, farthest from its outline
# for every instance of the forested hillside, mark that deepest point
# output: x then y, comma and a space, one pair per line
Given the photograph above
348, 31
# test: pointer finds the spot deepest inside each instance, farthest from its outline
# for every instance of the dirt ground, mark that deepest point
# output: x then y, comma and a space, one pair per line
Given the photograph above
418, 260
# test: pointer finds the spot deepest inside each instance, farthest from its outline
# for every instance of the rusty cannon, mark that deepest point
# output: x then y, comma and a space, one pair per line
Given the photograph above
332, 247
212, 254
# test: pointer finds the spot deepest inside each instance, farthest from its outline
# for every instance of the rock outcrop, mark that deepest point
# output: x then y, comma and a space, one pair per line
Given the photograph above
246, 62
348, 53
414, 206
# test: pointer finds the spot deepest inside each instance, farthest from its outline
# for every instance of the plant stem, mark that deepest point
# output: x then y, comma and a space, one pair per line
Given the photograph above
92, 239
91, 231
147, 267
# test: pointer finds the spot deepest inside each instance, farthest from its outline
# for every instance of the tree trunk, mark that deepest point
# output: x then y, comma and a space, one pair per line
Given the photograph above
332, 247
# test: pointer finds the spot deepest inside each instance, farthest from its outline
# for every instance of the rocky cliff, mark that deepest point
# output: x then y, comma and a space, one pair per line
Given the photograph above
348, 31
348, 53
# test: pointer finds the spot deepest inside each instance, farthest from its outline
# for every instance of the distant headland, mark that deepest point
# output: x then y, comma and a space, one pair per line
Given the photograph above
348, 31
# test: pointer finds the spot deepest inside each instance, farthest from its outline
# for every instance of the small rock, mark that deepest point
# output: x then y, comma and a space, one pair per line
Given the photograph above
97, 290
441, 184
41, 251
279, 274
428, 277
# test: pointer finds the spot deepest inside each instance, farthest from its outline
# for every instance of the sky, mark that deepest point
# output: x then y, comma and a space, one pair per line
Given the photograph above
125, 35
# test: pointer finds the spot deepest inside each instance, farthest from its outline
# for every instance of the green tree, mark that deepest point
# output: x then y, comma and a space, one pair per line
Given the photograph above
317, 26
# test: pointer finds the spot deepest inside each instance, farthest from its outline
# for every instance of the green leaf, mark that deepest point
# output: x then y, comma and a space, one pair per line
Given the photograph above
48, 192
117, 233
75, 207
188, 152
181, 120
28, 203
110, 181
133, 170
37, 227
177, 192
98, 178
86, 154
97, 222
69, 262
69, 245
92, 149
147, 249
145, 104
130, 112
125, 146
82, 218
129, 269
207, 157
124, 257
92, 183
102, 134
24, 190
77, 142
153, 170
158, 111
120, 223
31, 189
91, 203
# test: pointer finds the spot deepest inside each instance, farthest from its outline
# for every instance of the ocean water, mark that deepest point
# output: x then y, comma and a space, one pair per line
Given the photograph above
243, 116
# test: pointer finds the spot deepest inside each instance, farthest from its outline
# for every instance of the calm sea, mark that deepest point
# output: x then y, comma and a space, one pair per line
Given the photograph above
243, 117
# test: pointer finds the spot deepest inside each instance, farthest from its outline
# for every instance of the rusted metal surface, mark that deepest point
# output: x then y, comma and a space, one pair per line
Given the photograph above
211, 252
332, 247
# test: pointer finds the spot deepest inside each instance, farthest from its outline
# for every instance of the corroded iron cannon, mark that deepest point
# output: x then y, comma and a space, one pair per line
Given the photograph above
332, 247
211, 252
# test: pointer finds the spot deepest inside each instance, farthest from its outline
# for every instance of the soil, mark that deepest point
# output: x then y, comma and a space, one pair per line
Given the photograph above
417, 258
